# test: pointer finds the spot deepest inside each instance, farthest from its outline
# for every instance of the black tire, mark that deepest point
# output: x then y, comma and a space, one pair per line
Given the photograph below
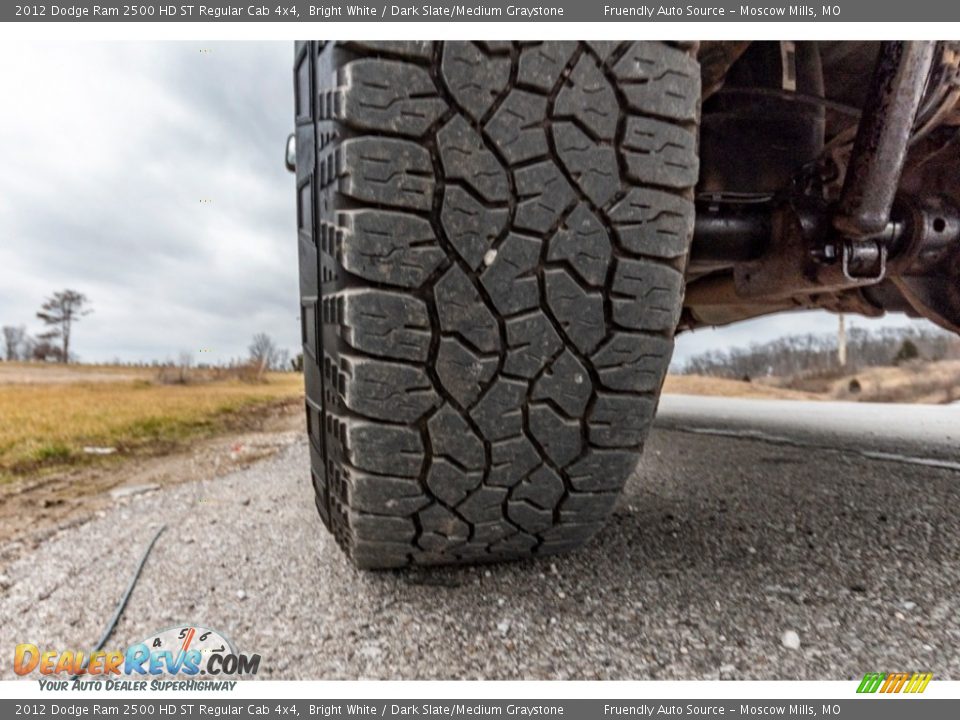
492, 243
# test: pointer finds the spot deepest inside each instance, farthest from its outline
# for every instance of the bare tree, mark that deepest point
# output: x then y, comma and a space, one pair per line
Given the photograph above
184, 363
806, 355
59, 312
14, 342
28, 347
46, 351
263, 353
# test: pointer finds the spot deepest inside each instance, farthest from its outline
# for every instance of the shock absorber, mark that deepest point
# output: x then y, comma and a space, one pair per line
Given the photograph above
880, 148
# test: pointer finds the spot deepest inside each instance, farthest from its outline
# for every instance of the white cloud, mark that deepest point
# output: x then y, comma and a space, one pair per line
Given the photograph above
109, 149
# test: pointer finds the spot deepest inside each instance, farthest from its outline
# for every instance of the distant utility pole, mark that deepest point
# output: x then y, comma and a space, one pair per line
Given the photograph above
842, 342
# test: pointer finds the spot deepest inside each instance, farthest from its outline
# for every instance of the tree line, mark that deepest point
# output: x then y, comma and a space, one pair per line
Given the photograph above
814, 354
60, 312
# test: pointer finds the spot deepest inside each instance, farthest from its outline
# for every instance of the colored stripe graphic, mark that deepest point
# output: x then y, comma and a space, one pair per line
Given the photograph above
899, 682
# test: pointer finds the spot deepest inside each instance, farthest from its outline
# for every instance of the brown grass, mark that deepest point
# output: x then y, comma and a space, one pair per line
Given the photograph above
47, 425
18, 373
723, 387
914, 382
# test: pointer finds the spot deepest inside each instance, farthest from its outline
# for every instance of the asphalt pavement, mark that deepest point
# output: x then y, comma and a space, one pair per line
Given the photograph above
755, 541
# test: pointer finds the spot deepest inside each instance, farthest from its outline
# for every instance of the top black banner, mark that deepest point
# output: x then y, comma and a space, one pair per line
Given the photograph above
521, 11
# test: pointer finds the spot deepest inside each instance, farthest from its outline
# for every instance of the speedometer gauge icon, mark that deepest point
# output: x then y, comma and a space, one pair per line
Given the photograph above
184, 638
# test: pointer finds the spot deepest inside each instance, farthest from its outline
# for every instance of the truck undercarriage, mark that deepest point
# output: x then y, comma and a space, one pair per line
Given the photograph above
827, 180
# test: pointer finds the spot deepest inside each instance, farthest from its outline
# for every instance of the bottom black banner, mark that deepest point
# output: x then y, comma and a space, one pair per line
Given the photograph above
874, 708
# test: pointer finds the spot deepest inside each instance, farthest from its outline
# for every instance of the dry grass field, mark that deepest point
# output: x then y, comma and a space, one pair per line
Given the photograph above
922, 382
55, 416
931, 383
724, 387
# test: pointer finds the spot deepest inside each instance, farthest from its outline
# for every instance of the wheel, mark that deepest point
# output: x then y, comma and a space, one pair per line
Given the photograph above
492, 240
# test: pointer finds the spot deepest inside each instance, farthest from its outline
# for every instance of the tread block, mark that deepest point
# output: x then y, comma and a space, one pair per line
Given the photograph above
386, 171
566, 382
532, 342
463, 312
499, 413
660, 80
496, 46
383, 495
382, 527
417, 49
644, 295
543, 194
441, 521
588, 97
562, 535
529, 517
474, 78
604, 48
452, 437
580, 313
517, 126
368, 554
462, 372
466, 158
389, 391
600, 470
592, 165
560, 438
471, 227
519, 543
653, 222
383, 323
660, 152
383, 449
483, 505
620, 420
490, 532
511, 279
511, 461
633, 361
543, 488
541, 65
387, 247
440, 548
450, 483
587, 507
583, 243
389, 95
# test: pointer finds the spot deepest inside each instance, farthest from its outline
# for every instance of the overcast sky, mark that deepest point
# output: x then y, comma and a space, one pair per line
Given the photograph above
108, 151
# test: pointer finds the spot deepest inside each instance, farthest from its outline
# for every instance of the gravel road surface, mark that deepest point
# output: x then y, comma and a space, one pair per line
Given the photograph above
731, 556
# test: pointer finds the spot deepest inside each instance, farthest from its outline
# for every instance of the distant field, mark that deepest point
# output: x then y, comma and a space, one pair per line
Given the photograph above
918, 381
724, 387
18, 373
922, 382
51, 413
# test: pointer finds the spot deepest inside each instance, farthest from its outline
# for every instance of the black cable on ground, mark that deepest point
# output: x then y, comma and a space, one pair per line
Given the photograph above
108, 630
